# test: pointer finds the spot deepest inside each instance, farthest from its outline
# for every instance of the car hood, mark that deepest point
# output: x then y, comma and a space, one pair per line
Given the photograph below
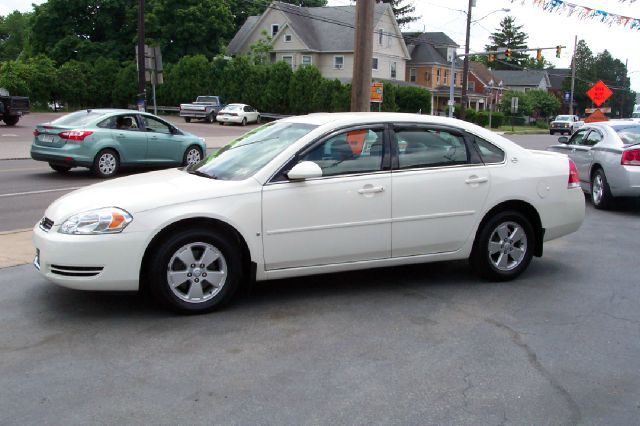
145, 191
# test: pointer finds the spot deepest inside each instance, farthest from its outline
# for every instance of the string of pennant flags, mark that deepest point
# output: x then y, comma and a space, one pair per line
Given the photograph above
583, 12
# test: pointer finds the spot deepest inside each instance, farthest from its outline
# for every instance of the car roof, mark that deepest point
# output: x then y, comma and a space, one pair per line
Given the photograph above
614, 124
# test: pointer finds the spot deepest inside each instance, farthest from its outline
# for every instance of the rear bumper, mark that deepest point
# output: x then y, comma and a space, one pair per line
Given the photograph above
60, 160
627, 183
67, 155
196, 114
229, 119
563, 216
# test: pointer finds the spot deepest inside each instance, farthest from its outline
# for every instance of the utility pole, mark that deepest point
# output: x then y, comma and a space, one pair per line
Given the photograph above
141, 55
465, 66
573, 73
362, 57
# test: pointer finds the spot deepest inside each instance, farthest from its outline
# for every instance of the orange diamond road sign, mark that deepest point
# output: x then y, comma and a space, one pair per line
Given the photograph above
599, 93
596, 116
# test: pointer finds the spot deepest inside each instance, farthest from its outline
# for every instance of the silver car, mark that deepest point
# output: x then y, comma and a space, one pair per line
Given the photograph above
607, 155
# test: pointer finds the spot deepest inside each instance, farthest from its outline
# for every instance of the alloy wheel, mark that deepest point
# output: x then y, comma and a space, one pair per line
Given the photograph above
507, 246
597, 189
193, 156
107, 163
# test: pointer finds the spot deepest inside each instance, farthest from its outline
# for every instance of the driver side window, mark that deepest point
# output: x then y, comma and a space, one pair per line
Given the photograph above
355, 151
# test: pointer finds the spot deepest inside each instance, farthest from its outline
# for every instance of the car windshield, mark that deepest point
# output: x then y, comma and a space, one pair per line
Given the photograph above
563, 118
78, 118
247, 154
630, 135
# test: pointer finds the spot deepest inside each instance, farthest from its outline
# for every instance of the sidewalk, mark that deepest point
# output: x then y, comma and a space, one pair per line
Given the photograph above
16, 248
14, 149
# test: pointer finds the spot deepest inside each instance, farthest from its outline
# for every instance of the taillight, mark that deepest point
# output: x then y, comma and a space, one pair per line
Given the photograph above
574, 178
631, 158
75, 135
36, 133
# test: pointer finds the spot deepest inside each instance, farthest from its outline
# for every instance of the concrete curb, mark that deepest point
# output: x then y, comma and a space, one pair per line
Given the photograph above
16, 247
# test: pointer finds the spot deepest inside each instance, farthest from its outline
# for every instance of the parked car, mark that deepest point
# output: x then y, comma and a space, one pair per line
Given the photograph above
565, 124
239, 114
204, 108
105, 139
314, 194
607, 155
12, 107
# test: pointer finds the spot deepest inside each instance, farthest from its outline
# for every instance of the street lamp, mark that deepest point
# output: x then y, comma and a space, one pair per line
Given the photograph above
465, 66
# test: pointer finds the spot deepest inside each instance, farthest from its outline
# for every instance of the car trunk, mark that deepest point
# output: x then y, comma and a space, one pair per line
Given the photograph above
48, 135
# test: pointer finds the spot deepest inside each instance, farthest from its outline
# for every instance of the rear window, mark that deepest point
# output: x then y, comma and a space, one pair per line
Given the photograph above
233, 107
629, 135
78, 118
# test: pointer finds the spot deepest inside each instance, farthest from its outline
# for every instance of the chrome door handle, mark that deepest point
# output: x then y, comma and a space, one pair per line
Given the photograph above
472, 180
370, 189
120, 135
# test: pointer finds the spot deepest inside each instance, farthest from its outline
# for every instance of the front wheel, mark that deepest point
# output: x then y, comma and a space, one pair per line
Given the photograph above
504, 246
258, 120
551, 132
192, 155
60, 169
187, 119
106, 164
600, 192
195, 271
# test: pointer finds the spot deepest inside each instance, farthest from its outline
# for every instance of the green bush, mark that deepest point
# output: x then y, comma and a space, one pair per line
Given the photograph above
542, 124
470, 115
482, 118
413, 99
497, 120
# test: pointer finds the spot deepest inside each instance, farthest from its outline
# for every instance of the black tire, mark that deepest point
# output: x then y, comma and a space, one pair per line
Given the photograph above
488, 240
60, 169
189, 152
244, 121
601, 198
551, 132
258, 120
11, 120
106, 164
211, 118
187, 119
196, 241
221, 123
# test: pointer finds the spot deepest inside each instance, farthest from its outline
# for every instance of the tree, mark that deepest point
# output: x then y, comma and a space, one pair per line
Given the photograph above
509, 36
14, 29
524, 104
402, 11
543, 104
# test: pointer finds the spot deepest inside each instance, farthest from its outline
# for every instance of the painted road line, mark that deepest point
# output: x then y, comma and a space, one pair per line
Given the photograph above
9, 135
43, 191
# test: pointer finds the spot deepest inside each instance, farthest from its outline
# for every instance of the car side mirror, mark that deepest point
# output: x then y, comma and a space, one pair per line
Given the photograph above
304, 170
563, 139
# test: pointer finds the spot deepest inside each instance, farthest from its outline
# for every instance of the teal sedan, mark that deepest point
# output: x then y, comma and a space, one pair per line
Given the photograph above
106, 139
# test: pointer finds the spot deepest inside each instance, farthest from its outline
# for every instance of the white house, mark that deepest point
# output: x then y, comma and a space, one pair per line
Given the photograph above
324, 37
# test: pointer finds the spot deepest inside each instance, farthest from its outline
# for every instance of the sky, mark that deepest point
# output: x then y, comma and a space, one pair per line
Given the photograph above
544, 29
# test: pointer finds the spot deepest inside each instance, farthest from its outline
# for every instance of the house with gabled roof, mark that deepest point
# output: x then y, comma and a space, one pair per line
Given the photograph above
484, 85
524, 80
324, 37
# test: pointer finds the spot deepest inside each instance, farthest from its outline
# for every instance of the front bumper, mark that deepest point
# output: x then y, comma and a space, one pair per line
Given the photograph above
90, 262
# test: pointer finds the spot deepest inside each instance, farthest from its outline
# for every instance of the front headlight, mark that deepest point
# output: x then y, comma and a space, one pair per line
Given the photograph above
109, 220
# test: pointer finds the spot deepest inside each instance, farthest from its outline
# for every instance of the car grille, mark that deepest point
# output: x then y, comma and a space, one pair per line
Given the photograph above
76, 271
46, 224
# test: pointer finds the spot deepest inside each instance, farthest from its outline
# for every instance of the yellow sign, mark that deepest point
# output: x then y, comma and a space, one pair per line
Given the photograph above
377, 90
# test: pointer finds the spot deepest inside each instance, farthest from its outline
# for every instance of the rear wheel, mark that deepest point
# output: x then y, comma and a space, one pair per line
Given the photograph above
600, 192
60, 169
258, 120
504, 246
11, 120
106, 164
244, 121
187, 119
192, 155
195, 271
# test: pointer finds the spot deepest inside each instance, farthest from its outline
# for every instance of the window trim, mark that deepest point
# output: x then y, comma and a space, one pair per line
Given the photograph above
393, 70
377, 61
335, 67
413, 75
380, 36
288, 56
310, 60
277, 27
288, 35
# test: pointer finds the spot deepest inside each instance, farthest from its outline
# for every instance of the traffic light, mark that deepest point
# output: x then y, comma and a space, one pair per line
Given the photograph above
558, 51
491, 57
539, 55
508, 53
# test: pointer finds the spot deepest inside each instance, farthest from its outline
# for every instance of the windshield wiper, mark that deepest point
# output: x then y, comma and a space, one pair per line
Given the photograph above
203, 174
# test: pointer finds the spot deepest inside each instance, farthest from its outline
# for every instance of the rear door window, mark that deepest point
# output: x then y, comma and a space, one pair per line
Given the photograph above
424, 147
489, 153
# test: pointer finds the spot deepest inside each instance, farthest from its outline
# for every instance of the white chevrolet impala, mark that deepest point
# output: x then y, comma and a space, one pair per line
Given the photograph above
314, 194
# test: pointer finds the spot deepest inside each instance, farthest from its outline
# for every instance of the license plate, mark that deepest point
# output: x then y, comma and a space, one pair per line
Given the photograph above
46, 138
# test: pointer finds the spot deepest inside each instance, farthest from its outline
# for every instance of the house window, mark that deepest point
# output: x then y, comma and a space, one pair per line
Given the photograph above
338, 62
446, 77
455, 78
438, 76
274, 29
471, 86
306, 60
427, 76
288, 60
412, 74
374, 64
393, 69
380, 36
287, 38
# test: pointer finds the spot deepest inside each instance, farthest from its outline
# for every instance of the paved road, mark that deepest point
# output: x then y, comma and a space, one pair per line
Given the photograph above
412, 345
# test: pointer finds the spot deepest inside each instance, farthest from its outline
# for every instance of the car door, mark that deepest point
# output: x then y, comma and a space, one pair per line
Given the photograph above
583, 156
439, 190
251, 113
163, 145
128, 137
343, 216
569, 147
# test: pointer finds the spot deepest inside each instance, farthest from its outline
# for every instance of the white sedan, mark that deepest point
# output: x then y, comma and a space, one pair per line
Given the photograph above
314, 194
239, 114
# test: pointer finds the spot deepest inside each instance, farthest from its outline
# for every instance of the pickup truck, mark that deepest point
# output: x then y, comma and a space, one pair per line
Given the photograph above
204, 108
12, 107
565, 124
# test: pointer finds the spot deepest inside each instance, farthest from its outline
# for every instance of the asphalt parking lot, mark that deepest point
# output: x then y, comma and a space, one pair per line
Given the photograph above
428, 345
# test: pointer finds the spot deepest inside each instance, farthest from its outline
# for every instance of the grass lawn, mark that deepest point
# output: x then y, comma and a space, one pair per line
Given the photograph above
522, 130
